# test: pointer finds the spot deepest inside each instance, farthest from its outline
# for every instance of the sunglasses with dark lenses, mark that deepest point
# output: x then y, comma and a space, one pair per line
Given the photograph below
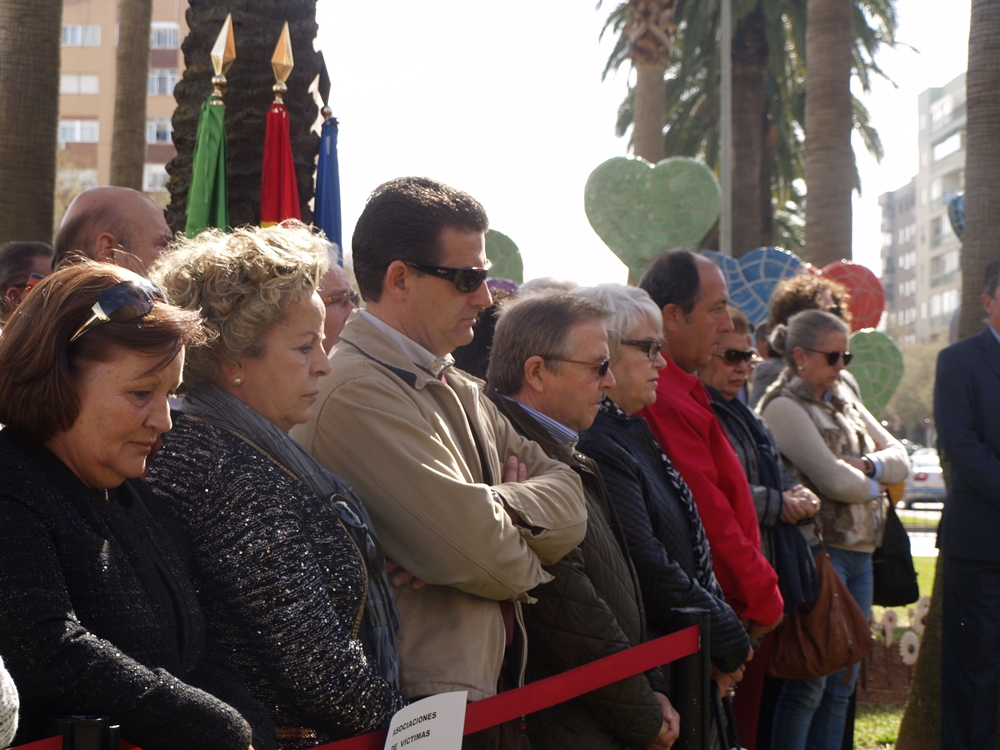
372, 550
601, 367
833, 357
466, 280
122, 303
652, 347
737, 356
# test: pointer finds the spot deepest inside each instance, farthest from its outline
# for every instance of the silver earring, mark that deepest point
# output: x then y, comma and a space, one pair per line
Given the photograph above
800, 367
239, 381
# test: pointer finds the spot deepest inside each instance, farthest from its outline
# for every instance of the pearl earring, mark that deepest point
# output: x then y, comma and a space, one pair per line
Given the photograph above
239, 381
801, 367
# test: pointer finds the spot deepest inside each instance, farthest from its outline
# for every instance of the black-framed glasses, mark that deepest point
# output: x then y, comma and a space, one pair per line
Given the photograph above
466, 280
361, 534
602, 367
651, 347
738, 356
122, 303
833, 357
341, 297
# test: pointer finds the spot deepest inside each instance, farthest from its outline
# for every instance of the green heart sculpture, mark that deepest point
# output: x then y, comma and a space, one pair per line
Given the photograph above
640, 210
505, 257
878, 367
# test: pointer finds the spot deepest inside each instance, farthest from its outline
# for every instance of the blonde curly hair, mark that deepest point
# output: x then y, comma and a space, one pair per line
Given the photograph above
241, 282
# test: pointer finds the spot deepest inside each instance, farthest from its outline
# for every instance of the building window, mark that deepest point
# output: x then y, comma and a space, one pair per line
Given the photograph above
72, 83
77, 35
941, 112
947, 147
923, 311
78, 131
887, 239
159, 130
154, 178
162, 81
164, 35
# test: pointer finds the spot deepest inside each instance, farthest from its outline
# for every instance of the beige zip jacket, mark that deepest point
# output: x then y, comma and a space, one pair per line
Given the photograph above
405, 441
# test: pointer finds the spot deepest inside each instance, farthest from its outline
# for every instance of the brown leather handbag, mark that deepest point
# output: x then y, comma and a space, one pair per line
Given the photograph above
824, 637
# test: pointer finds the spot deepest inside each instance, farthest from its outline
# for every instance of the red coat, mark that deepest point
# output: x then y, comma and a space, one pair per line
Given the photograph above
690, 434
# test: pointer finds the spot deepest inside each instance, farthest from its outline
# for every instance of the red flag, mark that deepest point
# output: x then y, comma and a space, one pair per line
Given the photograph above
279, 193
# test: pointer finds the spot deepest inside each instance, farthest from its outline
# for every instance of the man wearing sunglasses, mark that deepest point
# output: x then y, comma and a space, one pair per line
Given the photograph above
114, 225
459, 499
691, 292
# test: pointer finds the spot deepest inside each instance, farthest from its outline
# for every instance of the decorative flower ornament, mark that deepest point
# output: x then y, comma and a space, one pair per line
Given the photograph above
909, 648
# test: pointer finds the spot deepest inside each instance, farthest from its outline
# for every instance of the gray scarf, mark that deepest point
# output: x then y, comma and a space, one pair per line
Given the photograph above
381, 621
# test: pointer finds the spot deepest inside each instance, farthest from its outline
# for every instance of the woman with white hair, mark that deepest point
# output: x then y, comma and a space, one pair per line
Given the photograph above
8, 707
665, 535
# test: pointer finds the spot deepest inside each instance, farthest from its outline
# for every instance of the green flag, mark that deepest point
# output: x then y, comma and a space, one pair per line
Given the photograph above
207, 200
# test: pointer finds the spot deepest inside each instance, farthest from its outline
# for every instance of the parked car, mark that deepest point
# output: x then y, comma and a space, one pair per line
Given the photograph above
926, 481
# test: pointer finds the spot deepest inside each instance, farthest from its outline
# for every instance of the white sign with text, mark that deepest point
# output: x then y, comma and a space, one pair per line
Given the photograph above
434, 723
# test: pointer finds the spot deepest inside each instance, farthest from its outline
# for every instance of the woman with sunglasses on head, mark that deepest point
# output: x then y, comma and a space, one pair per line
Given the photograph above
841, 452
99, 613
292, 578
781, 501
665, 535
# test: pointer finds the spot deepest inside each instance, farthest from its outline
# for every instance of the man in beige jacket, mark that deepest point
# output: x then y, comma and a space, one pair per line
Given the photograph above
458, 498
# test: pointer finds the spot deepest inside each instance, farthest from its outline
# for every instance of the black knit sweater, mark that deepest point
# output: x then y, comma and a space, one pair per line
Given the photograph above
282, 582
658, 533
99, 616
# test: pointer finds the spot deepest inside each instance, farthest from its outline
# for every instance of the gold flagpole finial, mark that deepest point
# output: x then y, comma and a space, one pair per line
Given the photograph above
223, 54
282, 63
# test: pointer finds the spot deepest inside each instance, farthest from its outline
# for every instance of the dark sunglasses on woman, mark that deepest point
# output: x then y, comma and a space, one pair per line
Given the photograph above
652, 347
738, 356
833, 357
121, 303
466, 280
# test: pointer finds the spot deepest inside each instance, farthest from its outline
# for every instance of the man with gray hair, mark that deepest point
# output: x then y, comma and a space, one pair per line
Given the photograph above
548, 373
114, 225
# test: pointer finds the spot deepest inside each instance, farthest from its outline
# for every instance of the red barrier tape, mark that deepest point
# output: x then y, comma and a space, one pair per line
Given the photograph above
530, 698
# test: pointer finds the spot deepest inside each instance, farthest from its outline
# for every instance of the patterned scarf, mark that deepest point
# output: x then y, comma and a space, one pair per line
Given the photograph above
699, 542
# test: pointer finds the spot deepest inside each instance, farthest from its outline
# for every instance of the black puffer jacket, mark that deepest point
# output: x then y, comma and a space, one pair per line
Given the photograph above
659, 536
99, 616
592, 609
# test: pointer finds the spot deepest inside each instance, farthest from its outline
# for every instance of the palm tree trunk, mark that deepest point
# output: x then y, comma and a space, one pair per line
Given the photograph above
256, 27
30, 38
750, 56
829, 159
650, 110
982, 162
769, 141
128, 139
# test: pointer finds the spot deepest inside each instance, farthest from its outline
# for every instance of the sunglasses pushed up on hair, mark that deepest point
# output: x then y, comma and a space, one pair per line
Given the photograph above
466, 280
121, 303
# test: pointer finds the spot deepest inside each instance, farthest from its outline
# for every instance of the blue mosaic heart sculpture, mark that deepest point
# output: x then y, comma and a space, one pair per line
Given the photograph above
752, 278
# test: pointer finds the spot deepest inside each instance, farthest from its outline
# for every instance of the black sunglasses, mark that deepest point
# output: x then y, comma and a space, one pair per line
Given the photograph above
652, 347
122, 303
601, 367
466, 280
833, 357
736, 356
362, 536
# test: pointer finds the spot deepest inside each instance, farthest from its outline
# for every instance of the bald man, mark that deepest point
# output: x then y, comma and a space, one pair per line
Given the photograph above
336, 293
115, 225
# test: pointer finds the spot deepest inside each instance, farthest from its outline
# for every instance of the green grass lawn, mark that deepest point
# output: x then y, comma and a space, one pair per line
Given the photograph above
876, 727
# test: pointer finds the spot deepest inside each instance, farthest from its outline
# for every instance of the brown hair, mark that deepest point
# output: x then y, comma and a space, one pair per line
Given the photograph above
740, 322
403, 220
803, 292
537, 325
39, 368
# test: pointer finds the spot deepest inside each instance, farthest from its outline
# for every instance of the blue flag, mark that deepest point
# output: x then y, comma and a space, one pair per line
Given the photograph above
327, 213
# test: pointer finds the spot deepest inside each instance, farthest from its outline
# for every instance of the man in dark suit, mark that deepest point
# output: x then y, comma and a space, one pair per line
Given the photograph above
967, 412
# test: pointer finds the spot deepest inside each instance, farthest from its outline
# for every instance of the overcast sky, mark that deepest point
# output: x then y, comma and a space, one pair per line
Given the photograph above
505, 100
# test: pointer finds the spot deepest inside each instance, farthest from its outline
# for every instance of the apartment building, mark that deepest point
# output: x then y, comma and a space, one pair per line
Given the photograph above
87, 91
921, 254
899, 261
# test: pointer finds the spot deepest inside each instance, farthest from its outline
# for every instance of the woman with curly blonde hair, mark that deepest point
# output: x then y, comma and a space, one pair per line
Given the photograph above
292, 578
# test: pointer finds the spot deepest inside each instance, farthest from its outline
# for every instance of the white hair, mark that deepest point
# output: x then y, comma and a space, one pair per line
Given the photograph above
628, 308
